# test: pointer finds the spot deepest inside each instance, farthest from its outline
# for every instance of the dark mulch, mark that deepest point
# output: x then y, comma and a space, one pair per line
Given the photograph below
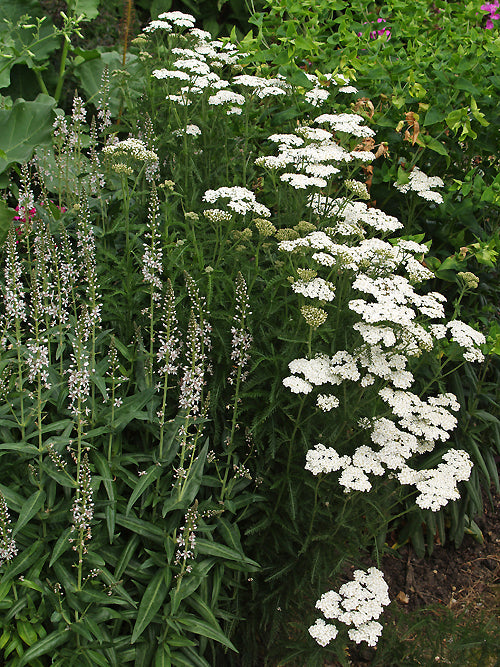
464, 581
455, 577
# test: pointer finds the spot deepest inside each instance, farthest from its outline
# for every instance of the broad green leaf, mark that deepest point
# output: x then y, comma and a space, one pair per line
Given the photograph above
110, 515
62, 477
6, 213
131, 408
24, 127
89, 8
90, 75
464, 84
193, 658
45, 646
403, 177
102, 466
14, 500
94, 628
65, 577
117, 589
95, 658
433, 115
185, 587
230, 533
153, 598
435, 145
205, 629
29, 509
26, 632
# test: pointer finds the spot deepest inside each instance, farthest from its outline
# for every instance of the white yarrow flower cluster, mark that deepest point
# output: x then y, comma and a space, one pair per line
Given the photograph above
317, 288
346, 122
240, 200
358, 603
423, 185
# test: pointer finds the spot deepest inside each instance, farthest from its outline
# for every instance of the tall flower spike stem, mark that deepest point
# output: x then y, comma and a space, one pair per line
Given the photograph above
239, 356
8, 548
38, 361
15, 313
116, 381
168, 353
152, 270
87, 252
194, 442
82, 514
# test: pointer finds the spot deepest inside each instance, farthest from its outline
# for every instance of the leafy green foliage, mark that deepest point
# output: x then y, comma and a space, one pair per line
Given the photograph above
269, 535
23, 127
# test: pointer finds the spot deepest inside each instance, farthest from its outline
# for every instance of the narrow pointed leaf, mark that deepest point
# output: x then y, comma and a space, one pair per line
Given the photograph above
44, 646
62, 545
205, 629
144, 481
29, 509
153, 598
209, 548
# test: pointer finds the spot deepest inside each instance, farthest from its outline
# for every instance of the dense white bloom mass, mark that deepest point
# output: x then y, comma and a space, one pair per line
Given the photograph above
359, 603
297, 385
346, 122
423, 185
317, 288
323, 632
240, 199
323, 459
327, 402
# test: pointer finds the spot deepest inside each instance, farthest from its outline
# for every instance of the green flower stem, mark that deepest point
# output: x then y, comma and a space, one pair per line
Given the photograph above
78, 466
20, 386
62, 67
230, 445
290, 451
40, 80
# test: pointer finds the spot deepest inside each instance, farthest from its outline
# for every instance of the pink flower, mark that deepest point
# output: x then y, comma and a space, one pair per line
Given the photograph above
491, 7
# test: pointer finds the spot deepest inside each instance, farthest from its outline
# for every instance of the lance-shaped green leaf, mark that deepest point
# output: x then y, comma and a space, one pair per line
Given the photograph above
182, 499
153, 598
144, 481
23, 560
205, 629
29, 509
62, 545
44, 647
25, 126
141, 527
210, 548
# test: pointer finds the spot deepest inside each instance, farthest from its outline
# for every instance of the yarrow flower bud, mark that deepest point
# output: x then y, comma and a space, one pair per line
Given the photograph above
314, 317
357, 188
264, 227
469, 280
